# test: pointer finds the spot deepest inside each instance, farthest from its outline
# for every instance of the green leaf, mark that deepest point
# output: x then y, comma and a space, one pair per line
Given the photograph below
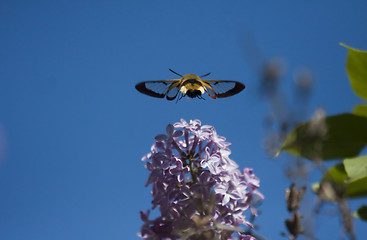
360, 110
337, 173
356, 169
361, 213
357, 70
344, 136
357, 188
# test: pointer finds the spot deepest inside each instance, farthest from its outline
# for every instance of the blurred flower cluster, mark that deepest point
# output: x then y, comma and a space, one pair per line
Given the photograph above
198, 189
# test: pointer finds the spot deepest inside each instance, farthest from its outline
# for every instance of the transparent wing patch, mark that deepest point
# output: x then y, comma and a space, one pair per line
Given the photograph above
172, 93
223, 88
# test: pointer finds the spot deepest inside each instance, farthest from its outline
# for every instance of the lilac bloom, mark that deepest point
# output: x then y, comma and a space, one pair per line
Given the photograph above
250, 178
229, 164
195, 184
228, 190
192, 127
211, 162
171, 134
179, 170
219, 140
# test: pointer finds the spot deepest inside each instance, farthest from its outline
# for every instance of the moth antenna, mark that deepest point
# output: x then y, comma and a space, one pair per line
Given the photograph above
175, 72
205, 75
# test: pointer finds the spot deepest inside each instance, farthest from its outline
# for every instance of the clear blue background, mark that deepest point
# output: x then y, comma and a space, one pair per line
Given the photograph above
73, 128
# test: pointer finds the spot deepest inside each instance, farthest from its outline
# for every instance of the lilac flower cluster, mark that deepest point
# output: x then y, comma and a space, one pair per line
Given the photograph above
199, 190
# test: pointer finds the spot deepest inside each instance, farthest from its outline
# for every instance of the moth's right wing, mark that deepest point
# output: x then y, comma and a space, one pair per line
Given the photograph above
222, 88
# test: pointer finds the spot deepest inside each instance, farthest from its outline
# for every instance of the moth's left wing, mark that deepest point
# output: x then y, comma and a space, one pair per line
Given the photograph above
159, 88
222, 88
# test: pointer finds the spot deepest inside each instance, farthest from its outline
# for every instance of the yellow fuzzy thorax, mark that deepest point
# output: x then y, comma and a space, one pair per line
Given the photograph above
191, 82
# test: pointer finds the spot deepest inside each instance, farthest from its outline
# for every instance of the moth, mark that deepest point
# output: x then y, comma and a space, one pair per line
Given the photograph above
189, 85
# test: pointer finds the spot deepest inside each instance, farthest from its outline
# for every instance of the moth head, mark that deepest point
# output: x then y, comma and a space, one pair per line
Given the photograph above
190, 77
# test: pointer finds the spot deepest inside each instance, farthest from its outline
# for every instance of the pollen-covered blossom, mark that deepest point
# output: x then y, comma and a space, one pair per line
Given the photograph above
198, 189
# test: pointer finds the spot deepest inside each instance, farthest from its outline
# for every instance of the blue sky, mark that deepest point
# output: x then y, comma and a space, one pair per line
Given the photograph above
73, 128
